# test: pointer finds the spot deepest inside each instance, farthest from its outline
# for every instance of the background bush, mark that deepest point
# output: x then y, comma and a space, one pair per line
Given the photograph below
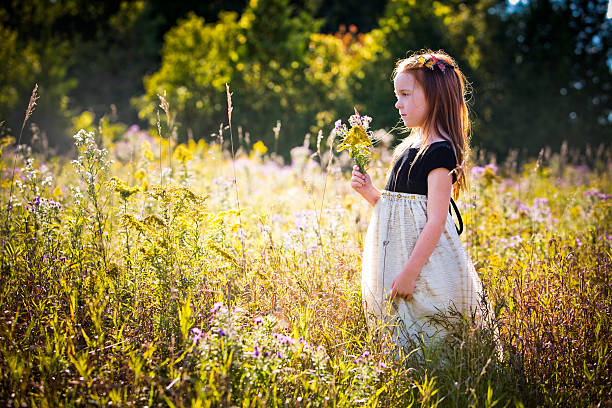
540, 70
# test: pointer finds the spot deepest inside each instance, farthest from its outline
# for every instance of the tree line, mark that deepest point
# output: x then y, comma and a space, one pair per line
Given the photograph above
540, 71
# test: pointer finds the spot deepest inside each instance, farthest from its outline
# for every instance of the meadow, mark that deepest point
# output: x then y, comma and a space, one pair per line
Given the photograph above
143, 272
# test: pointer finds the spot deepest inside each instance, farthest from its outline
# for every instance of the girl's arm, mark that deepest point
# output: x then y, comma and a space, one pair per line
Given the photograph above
439, 185
362, 183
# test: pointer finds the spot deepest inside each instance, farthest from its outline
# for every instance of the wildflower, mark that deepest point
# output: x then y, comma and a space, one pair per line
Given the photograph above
582, 168
182, 154
216, 307
491, 167
140, 174
591, 193
522, 207
258, 320
603, 196
540, 201
357, 140
123, 189
259, 148
284, 339
477, 171
147, 153
196, 334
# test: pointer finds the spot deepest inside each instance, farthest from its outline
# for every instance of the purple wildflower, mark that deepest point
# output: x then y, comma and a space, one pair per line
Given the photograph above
590, 193
338, 124
603, 196
477, 171
255, 353
284, 339
196, 334
522, 207
258, 320
216, 307
540, 201
492, 167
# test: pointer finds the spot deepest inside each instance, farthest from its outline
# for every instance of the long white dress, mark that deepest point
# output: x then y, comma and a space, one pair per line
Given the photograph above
447, 281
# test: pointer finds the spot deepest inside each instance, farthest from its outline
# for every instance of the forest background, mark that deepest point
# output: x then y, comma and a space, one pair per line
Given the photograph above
540, 70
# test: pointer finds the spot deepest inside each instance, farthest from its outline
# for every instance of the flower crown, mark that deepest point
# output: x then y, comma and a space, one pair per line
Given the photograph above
432, 63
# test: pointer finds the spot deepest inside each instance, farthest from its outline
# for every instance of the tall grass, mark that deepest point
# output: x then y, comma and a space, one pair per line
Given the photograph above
115, 293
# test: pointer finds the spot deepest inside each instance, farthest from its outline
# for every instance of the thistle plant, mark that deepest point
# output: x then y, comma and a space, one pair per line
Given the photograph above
357, 140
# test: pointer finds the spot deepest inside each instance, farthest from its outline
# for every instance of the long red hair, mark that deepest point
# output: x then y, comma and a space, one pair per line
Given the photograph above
448, 117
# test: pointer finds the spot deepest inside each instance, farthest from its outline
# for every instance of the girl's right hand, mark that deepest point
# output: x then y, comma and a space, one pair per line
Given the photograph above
362, 183
359, 181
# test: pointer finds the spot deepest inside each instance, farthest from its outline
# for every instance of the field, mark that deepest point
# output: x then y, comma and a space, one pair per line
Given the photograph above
146, 272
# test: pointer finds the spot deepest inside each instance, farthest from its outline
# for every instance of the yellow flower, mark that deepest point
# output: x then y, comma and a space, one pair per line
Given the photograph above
202, 144
182, 154
123, 189
355, 138
575, 212
57, 192
147, 153
140, 174
260, 148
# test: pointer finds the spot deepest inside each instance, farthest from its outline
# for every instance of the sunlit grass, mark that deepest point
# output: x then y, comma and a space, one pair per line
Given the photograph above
152, 288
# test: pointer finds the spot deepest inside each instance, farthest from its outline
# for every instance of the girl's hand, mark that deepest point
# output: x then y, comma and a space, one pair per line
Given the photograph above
403, 284
359, 181
362, 183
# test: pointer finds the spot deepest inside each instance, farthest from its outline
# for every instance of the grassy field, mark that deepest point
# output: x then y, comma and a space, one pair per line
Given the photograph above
145, 273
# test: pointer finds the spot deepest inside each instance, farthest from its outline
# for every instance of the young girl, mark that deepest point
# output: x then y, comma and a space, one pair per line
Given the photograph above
414, 264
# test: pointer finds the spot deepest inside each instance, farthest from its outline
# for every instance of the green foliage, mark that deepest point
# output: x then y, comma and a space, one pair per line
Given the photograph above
93, 57
277, 71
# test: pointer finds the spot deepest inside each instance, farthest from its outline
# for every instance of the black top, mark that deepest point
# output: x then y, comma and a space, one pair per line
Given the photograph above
438, 154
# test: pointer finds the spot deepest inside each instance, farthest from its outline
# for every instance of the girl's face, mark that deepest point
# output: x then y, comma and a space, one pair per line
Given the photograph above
411, 102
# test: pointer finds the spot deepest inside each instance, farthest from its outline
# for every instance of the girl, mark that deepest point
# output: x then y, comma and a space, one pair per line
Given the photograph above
414, 264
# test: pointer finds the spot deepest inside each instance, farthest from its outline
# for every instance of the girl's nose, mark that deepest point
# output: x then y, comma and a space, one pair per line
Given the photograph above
397, 105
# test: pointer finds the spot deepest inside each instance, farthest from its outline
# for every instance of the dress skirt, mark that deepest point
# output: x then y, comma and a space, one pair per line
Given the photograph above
448, 282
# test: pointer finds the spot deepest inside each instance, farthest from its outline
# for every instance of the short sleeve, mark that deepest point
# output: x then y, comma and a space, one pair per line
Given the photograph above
441, 157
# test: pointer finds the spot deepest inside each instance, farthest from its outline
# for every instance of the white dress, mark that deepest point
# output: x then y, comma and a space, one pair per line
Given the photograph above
447, 281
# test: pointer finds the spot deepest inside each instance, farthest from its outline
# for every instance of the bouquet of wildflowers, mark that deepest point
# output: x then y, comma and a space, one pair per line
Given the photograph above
357, 140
